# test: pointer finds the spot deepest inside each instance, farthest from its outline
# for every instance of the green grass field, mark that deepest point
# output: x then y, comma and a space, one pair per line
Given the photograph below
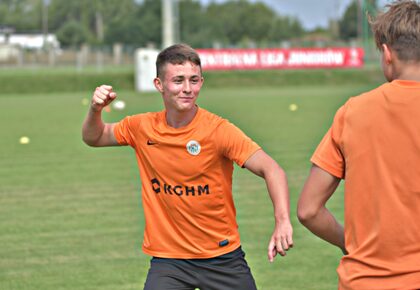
71, 216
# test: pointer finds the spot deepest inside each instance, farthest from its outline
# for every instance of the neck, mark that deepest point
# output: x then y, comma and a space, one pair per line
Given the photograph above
176, 119
407, 71
410, 75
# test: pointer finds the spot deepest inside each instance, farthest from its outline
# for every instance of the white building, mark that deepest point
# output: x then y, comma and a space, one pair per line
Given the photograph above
30, 41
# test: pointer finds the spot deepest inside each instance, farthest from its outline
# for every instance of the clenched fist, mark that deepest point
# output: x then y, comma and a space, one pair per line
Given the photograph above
102, 97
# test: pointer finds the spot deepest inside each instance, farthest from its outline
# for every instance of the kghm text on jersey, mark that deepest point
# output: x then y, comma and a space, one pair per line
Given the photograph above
179, 190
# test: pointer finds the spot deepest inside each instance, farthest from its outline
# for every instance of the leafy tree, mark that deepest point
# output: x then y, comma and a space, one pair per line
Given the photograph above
240, 20
236, 21
23, 15
124, 30
138, 23
354, 20
229, 20
150, 23
96, 16
62, 11
194, 25
123, 25
284, 28
257, 19
73, 34
348, 25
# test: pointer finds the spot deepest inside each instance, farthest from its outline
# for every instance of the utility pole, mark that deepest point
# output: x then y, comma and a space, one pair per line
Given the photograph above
360, 20
45, 4
169, 22
334, 20
99, 26
365, 8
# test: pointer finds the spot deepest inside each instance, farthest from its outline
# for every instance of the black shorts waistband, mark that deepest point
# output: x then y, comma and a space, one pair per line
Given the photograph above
235, 253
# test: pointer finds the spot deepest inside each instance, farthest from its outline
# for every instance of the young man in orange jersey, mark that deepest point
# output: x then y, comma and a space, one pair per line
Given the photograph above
374, 144
185, 155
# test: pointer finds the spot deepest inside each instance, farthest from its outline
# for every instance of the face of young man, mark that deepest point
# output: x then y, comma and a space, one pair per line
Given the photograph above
180, 86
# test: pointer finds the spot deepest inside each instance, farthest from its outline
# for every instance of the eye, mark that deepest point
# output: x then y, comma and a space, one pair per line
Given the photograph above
195, 81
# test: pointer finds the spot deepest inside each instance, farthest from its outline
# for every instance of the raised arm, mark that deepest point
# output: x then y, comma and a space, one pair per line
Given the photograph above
95, 132
312, 212
275, 178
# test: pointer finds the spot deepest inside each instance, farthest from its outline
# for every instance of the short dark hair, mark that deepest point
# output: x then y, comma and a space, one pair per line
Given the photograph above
176, 54
399, 28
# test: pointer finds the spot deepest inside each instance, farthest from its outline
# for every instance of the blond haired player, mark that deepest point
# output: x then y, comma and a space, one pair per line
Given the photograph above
374, 144
185, 155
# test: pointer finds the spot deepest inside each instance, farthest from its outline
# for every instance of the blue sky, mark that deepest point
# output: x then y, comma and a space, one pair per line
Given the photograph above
311, 13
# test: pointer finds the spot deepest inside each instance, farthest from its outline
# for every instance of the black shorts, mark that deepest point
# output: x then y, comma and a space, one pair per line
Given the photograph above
226, 272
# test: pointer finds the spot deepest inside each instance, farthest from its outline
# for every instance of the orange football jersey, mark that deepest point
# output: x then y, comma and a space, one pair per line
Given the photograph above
186, 176
374, 143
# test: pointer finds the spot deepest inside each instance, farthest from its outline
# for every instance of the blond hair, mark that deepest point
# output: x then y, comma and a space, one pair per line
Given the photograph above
399, 28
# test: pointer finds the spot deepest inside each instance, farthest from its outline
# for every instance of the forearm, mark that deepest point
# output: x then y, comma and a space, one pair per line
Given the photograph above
94, 131
275, 178
312, 212
324, 225
281, 239
277, 187
93, 127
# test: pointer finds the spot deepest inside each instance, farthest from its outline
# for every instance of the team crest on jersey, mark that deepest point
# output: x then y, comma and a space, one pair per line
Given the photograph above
193, 147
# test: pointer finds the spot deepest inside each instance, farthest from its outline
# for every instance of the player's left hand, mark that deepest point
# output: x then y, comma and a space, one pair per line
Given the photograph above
281, 240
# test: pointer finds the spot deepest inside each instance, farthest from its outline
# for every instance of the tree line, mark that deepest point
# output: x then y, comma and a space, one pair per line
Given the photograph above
138, 23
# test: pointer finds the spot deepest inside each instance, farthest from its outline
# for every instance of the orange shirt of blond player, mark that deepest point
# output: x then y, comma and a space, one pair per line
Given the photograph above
186, 176
374, 143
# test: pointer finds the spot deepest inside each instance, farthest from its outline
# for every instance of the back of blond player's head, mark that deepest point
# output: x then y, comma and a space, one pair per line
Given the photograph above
399, 29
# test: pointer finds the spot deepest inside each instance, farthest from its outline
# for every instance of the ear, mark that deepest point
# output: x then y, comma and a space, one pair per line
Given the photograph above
387, 53
158, 84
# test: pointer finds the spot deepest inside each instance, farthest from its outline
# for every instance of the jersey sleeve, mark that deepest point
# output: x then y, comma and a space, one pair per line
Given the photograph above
124, 130
234, 144
328, 155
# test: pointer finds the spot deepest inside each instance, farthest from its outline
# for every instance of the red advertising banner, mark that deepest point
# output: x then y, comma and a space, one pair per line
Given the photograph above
248, 59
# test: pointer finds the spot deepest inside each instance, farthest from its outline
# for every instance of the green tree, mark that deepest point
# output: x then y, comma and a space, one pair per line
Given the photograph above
150, 23
284, 28
72, 34
72, 19
22, 15
257, 20
240, 20
97, 17
354, 21
139, 23
123, 25
229, 20
194, 25
348, 25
